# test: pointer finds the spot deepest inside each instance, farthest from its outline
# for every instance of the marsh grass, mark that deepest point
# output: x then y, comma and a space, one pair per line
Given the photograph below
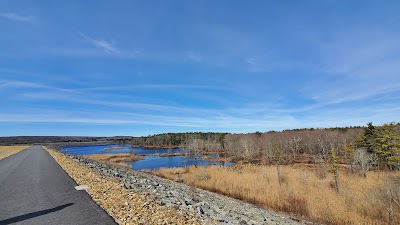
6, 151
303, 194
115, 159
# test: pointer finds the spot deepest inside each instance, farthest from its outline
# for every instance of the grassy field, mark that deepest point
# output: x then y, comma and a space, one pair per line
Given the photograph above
6, 151
302, 193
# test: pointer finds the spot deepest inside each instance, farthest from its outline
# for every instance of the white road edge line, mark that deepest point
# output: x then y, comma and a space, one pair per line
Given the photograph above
82, 187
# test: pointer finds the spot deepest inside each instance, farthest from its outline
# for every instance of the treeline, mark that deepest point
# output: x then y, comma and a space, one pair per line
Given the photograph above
183, 139
175, 139
45, 139
58, 139
343, 129
359, 147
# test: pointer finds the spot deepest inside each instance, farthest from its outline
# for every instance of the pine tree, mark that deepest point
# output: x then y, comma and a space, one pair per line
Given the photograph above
369, 136
383, 141
386, 144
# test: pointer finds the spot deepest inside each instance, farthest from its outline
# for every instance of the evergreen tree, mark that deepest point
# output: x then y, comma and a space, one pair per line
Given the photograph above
369, 136
386, 144
383, 141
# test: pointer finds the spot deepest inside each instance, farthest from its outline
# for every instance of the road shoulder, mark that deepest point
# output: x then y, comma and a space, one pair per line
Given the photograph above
124, 205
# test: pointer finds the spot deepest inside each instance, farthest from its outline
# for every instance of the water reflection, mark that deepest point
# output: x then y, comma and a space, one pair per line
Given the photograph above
154, 162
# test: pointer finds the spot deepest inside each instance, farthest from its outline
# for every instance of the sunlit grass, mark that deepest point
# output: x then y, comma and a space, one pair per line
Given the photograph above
302, 194
115, 159
6, 151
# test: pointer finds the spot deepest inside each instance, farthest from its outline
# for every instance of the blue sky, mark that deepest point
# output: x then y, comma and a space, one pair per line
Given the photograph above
104, 68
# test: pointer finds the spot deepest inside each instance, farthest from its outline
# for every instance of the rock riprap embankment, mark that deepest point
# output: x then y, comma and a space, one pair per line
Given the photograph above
210, 207
126, 206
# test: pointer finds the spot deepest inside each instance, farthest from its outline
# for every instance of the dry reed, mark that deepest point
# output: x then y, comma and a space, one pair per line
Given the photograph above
302, 193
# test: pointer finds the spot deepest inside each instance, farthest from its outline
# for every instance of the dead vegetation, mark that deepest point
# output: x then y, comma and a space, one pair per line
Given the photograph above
6, 151
115, 159
302, 192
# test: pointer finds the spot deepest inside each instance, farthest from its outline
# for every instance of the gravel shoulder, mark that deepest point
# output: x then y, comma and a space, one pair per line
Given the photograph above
117, 189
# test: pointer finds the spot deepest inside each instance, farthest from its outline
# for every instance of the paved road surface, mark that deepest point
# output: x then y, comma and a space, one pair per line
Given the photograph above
35, 190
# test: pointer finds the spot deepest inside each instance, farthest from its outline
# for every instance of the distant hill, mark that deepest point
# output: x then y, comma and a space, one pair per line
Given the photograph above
56, 139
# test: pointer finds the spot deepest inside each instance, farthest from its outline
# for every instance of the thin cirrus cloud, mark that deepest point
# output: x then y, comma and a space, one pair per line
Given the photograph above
86, 97
120, 105
90, 95
17, 17
19, 84
354, 65
101, 117
241, 124
16, 84
104, 45
277, 67
155, 87
193, 56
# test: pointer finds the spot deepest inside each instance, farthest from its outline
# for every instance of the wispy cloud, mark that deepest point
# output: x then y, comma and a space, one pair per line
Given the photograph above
155, 86
193, 56
116, 105
354, 53
106, 46
255, 65
17, 17
353, 65
19, 84
333, 117
15, 84
101, 117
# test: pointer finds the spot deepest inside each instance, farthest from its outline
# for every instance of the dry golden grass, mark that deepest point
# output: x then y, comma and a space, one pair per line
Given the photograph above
107, 157
302, 194
115, 159
6, 151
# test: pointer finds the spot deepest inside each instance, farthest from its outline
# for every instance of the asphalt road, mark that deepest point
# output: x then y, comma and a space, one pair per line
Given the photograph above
34, 189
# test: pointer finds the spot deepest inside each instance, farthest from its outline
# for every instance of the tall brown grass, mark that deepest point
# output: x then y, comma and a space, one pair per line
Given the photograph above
302, 193
6, 151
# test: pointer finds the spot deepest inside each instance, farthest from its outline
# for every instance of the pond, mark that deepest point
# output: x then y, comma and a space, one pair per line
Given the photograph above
154, 162
149, 162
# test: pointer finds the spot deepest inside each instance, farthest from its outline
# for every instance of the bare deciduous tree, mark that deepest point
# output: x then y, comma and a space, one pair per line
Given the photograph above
278, 159
295, 145
363, 161
131, 150
194, 149
333, 159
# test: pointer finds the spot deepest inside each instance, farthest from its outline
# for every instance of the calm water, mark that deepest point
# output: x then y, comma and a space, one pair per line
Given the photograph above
154, 162
98, 149
149, 162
